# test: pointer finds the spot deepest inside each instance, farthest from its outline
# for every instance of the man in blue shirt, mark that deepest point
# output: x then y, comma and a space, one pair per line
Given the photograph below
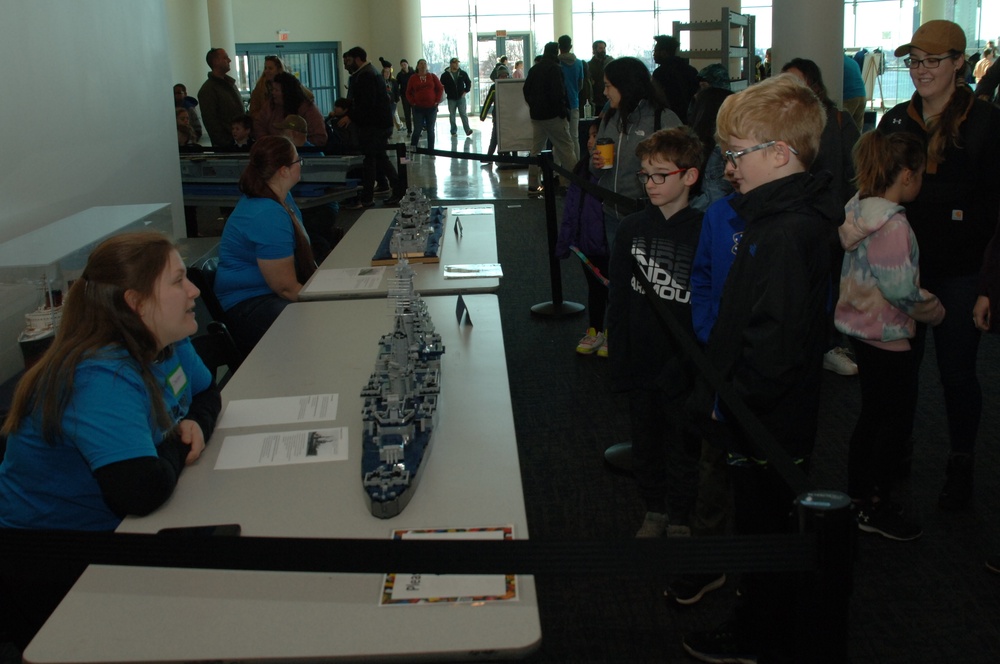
572, 68
855, 94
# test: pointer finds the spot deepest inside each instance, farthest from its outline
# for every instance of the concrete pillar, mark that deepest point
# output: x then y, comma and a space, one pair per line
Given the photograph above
562, 19
400, 36
933, 9
220, 25
411, 42
812, 30
187, 34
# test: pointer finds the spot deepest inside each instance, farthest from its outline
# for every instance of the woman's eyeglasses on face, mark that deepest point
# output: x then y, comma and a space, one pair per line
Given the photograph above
928, 63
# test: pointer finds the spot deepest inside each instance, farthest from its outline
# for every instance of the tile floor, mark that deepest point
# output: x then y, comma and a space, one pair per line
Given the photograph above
463, 179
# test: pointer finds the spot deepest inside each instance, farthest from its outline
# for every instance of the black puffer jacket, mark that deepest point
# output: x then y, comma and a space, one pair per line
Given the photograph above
769, 339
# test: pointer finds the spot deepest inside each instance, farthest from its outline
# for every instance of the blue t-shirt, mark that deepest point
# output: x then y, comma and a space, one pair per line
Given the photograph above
573, 79
109, 418
259, 228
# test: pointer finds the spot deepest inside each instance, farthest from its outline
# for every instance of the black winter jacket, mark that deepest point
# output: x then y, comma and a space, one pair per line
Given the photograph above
955, 213
455, 83
545, 91
770, 336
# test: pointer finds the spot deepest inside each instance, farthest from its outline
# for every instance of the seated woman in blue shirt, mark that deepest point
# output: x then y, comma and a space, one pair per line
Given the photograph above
264, 253
103, 424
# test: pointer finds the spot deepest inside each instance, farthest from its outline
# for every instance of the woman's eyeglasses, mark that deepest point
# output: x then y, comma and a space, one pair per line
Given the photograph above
928, 63
299, 161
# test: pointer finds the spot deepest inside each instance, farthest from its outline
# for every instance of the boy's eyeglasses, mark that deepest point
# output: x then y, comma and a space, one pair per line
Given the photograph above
733, 156
928, 63
657, 178
300, 161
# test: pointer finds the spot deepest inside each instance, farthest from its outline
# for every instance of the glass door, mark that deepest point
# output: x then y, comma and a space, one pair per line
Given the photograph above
490, 48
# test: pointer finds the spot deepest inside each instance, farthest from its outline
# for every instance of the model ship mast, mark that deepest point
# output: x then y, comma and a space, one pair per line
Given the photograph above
401, 398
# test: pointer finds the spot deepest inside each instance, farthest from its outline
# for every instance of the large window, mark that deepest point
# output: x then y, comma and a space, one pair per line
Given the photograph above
457, 27
627, 26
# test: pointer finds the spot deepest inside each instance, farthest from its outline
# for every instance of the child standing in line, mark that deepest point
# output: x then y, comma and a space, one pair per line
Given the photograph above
583, 227
768, 342
880, 303
645, 362
490, 104
721, 230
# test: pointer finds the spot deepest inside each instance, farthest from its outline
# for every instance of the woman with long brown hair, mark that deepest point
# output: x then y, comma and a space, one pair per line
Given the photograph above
103, 424
261, 94
288, 98
264, 253
106, 420
953, 218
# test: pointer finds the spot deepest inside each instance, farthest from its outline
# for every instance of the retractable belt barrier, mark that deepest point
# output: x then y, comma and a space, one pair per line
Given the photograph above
619, 558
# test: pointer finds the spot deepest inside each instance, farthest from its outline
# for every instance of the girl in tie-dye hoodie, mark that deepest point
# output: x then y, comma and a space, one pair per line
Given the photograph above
880, 303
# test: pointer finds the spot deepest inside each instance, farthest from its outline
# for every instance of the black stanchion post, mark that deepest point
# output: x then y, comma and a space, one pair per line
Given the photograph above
557, 307
401, 162
824, 603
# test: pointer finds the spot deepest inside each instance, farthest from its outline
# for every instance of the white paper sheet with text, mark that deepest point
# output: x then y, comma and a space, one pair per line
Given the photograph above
470, 210
346, 279
279, 410
282, 448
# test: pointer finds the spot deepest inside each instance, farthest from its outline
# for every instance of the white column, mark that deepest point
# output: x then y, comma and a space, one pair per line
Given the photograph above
399, 37
411, 40
815, 31
933, 9
562, 19
187, 34
220, 25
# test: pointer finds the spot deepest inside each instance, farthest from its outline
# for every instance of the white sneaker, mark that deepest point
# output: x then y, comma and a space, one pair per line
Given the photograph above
590, 342
838, 361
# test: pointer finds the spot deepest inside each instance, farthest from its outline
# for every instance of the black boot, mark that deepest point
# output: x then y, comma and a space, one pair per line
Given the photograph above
957, 491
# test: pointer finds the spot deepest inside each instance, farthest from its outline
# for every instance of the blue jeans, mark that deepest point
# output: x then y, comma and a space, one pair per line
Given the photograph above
956, 348
458, 105
424, 117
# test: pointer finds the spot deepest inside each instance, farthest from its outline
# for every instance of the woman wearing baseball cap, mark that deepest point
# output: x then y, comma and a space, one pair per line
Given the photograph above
953, 218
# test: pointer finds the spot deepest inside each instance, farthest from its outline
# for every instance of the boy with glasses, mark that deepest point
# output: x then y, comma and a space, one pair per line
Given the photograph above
645, 362
769, 339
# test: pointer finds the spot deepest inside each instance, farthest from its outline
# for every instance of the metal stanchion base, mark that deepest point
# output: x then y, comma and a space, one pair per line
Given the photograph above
619, 457
553, 309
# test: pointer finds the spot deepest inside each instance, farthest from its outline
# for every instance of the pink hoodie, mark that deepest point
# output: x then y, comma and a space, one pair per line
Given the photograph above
880, 294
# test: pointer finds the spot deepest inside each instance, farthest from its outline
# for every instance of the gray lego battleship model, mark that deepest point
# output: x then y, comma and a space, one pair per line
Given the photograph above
400, 401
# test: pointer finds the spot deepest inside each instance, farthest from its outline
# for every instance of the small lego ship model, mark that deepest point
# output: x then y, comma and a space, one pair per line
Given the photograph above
400, 401
41, 324
416, 231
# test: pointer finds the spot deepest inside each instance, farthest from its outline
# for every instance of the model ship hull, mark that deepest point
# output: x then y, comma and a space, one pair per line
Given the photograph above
399, 416
400, 402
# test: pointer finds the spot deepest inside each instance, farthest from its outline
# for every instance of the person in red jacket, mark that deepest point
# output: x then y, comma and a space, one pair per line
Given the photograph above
424, 91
